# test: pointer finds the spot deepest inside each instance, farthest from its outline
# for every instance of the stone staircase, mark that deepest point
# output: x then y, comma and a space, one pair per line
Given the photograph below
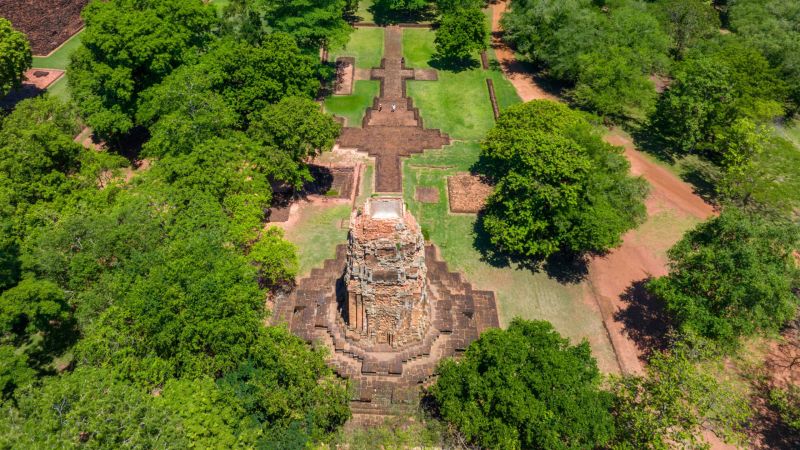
387, 381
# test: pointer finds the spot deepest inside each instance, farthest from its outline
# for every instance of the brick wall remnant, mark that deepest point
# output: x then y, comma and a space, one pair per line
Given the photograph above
387, 300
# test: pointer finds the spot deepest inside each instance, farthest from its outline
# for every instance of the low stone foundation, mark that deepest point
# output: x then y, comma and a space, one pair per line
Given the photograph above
386, 380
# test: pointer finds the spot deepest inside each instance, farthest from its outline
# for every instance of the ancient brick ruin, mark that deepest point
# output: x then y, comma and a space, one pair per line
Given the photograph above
392, 127
387, 307
387, 301
412, 314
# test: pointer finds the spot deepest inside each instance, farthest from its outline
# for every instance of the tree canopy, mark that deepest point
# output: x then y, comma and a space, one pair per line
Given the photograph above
717, 84
602, 54
525, 387
674, 402
156, 284
732, 276
120, 57
461, 33
312, 23
559, 187
15, 56
770, 25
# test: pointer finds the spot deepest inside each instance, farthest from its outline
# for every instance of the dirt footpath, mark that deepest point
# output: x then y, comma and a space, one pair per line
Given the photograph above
615, 280
524, 82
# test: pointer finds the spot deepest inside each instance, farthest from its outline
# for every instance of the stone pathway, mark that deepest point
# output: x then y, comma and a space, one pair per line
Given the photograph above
389, 135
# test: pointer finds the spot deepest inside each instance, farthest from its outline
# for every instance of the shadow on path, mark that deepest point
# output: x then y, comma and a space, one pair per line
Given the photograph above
644, 319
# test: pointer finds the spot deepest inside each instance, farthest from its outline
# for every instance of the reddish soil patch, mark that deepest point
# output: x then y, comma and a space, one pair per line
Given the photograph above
527, 85
783, 359
345, 72
427, 194
42, 78
667, 191
632, 318
467, 193
48, 23
279, 213
36, 81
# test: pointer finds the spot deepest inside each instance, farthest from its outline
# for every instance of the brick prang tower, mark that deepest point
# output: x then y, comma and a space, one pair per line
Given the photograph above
387, 300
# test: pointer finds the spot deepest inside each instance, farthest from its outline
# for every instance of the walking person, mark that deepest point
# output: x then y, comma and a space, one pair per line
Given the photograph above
380, 107
394, 107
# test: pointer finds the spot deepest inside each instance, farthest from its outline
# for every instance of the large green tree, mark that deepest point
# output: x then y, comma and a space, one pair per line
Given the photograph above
295, 129
771, 26
393, 11
129, 46
732, 276
37, 151
525, 387
559, 187
688, 22
461, 33
15, 56
37, 160
718, 83
313, 23
674, 402
605, 56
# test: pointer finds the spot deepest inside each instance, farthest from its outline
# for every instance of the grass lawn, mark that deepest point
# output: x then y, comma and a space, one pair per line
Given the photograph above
317, 233
519, 292
353, 107
778, 171
365, 45
60, 88
458, 103
363, 11
318, 229
60, 58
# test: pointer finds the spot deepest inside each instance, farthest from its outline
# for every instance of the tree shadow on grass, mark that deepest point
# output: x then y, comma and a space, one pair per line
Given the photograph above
564, 267
383, 15
644, 319
451, 64
648, 139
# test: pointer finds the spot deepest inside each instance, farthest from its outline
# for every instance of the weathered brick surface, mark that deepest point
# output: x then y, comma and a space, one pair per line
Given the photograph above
389, 134
386, 380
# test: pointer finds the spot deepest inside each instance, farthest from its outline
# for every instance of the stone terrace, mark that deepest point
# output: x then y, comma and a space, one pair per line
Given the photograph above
387, 381
388, 135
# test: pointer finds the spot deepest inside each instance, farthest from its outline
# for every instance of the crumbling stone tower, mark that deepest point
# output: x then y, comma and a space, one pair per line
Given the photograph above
387, 299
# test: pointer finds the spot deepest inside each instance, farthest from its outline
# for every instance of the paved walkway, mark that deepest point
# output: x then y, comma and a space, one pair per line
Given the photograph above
389, 135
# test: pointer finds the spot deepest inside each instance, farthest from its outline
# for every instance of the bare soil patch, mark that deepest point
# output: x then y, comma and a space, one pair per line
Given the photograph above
345, 72
467, 193
47, 23
279, 213
36, 82
331, 181
42, 78
527, 84
427, 194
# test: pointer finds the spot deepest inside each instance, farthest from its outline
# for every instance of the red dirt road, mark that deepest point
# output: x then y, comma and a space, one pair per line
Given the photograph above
524, 82
643, 250
672, 208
